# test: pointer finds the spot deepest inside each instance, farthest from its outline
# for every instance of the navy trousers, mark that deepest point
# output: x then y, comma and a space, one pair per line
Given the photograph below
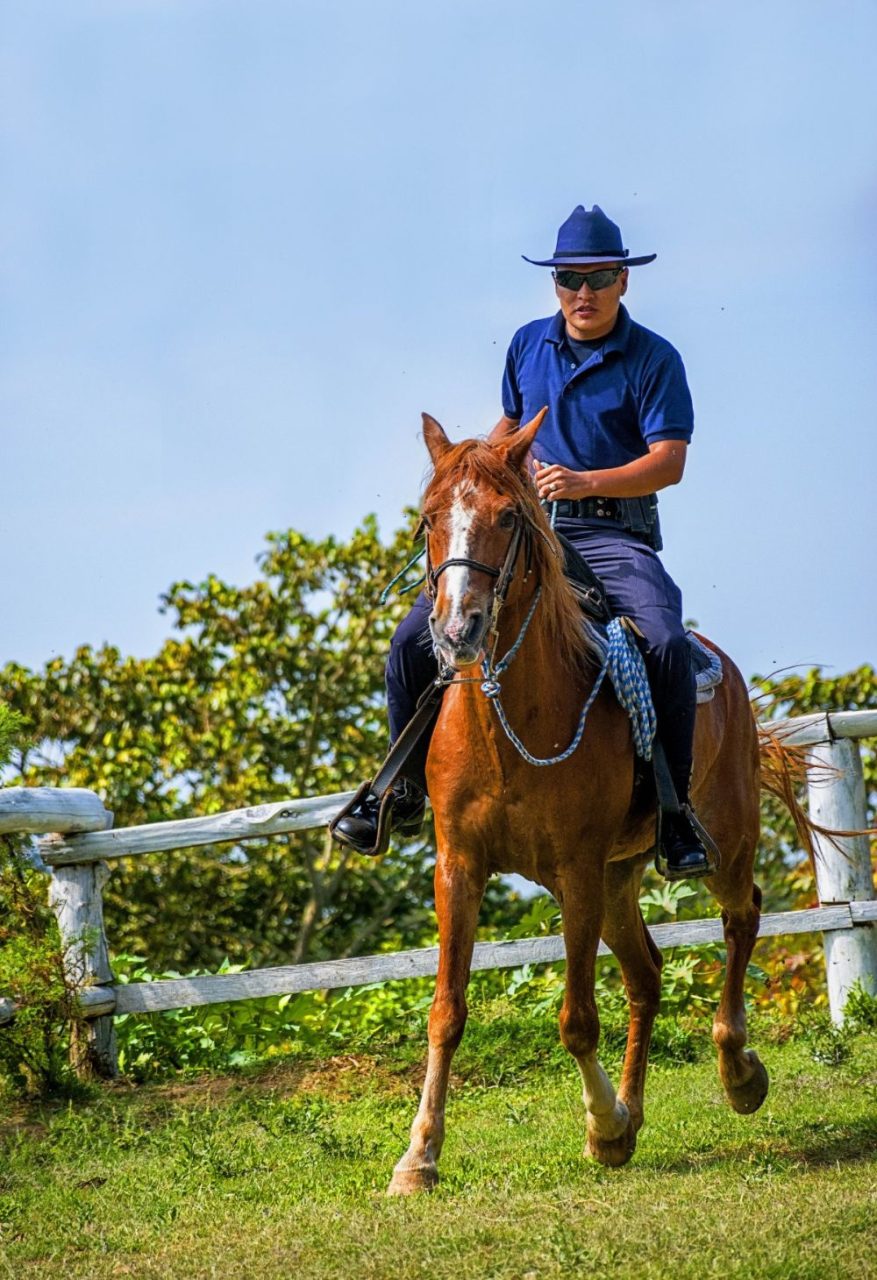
636, 584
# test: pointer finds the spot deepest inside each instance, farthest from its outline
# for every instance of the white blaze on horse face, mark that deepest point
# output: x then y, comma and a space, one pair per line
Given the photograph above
456, 578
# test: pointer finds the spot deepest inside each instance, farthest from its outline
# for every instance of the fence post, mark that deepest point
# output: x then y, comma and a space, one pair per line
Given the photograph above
76, 896
836, 795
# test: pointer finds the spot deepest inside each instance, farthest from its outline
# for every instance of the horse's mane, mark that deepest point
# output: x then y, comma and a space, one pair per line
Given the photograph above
477, 462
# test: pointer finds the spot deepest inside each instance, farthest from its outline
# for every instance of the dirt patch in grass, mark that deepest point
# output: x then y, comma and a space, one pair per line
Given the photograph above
343, 1077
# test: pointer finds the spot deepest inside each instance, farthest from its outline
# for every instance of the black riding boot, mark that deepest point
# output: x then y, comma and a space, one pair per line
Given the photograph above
686, 851
359, 828
686, 848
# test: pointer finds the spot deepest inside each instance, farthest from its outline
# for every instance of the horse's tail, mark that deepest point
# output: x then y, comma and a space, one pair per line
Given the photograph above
784, 770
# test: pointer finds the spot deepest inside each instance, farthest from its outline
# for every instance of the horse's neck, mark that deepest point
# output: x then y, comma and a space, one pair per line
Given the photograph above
536, 677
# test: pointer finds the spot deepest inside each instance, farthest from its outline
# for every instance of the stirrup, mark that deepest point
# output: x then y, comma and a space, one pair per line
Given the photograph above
382, 838
713, 856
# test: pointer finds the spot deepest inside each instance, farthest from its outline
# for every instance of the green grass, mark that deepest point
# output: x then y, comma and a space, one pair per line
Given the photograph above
282, 1171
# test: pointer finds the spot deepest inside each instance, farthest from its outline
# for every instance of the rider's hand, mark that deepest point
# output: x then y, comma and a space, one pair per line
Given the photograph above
554, 481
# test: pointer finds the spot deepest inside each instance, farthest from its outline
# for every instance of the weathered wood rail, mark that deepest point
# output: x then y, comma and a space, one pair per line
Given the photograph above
81, 843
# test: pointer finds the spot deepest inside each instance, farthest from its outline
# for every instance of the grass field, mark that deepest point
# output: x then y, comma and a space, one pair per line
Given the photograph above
282, 1171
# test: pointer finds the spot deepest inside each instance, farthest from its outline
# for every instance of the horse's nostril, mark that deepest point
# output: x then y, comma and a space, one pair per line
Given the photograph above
473, 626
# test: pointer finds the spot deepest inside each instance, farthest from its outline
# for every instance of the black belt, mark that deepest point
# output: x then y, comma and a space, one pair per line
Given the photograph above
586, 508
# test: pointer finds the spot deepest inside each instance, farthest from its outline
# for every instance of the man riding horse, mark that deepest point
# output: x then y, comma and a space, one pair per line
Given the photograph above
619, 423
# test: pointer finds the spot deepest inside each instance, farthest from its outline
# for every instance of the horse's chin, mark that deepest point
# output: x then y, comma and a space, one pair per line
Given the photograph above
459, 658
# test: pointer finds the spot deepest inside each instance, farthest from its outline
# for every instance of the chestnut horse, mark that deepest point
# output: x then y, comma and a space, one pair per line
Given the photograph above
577, 828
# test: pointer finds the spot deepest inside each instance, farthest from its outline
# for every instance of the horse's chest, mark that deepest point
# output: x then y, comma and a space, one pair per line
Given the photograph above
520, 826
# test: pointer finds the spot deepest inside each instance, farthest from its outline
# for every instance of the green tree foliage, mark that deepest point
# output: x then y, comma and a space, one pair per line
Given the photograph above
10, 726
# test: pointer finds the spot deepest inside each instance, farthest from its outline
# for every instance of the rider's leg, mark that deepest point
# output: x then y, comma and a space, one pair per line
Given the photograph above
638, 585
411, 668
667, 655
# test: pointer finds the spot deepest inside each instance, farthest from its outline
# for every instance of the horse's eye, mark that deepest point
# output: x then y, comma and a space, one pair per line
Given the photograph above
507, 520
426, 522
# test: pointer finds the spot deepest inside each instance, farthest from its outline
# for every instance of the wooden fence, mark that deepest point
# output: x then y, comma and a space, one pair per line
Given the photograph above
82, 844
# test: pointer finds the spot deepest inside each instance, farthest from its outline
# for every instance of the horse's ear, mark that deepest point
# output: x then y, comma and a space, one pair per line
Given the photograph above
517, 445
436, 441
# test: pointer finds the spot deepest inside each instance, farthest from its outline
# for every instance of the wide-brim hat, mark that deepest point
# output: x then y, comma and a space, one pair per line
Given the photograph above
589, 236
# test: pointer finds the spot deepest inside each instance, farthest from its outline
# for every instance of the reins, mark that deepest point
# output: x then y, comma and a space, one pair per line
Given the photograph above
491, 670
622, 658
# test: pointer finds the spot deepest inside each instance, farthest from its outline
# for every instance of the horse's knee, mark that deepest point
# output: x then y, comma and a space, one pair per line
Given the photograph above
641, 973
579, 1029
447, 1019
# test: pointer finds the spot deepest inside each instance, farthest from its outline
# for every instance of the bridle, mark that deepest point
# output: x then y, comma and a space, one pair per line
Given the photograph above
618, 649
522, 536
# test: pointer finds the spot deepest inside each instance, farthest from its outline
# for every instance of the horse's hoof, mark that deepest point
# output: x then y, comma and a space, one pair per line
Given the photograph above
748, 1097
613, 1152
407, 1182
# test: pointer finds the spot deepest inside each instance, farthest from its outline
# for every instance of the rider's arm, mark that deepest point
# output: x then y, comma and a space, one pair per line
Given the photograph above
663, 465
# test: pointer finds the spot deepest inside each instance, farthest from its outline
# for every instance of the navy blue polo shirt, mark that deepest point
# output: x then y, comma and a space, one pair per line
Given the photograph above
606, 411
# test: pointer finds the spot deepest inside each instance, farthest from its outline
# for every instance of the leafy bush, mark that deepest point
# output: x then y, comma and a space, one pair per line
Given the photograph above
512, 1026
35, 1047
228, 1036
830, 1044
860, 1010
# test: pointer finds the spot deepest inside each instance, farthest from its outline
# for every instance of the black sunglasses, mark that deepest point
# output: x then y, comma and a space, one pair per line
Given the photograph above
595, 280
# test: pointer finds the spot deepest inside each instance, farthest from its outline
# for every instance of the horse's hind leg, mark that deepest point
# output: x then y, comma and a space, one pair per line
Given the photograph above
624, 931
741, 1071
459, 891
611, 1133
728, 797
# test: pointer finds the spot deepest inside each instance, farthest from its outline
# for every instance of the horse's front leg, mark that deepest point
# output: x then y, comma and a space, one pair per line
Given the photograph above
459, 888
625, 932
611, 1132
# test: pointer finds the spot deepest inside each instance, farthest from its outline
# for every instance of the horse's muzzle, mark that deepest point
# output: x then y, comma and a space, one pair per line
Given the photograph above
459, 642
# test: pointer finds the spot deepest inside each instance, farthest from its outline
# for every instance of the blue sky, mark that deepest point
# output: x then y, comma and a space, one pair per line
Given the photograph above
244, 245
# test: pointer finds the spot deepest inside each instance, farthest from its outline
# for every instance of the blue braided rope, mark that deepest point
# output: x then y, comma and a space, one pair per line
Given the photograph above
627, 670
385, 594
490, 688
505, 663
624, 664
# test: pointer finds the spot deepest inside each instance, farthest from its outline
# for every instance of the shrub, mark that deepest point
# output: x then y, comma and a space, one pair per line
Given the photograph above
35, 1046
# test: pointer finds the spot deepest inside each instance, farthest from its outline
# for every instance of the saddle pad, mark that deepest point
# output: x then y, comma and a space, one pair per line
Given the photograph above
708, 671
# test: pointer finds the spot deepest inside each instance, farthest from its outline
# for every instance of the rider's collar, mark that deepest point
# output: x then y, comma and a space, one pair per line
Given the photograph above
615, 341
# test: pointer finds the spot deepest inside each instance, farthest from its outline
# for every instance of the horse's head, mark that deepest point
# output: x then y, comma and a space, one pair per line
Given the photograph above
478, 509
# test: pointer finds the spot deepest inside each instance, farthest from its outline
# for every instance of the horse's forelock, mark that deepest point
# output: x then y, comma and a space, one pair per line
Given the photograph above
473, 463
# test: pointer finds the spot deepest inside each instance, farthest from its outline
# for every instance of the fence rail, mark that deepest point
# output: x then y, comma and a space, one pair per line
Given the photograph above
81, 843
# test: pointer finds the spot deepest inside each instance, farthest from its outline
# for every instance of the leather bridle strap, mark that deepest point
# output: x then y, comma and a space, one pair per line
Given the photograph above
470, 564
503, 575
